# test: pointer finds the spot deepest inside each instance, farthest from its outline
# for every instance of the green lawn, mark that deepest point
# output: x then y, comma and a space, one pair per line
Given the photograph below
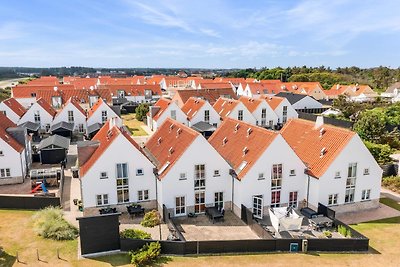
134, 126
17, 235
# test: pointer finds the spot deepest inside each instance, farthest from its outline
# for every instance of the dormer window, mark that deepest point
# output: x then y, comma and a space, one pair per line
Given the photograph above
249, 132
245, 150
224, 141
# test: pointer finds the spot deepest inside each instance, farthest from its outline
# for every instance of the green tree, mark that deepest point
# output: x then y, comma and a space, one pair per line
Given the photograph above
372, 125
141, 111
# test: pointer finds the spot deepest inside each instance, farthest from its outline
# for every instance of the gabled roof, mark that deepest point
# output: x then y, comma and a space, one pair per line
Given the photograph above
203, 126
45, 91
54, 140
15, 106
132, 90
6, 123
95, 107
192, 106
168, 144
211, 95
273, 101
215, 85
317, 146
391, 88
241, 144
224, 106
62, 125
162, 103
291, 97
265, 87
44, 80
103, 139
75, 102
46, 106
250, 103
31, 126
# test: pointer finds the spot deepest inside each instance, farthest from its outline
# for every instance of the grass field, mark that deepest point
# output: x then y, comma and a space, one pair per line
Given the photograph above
133, 124
16, 235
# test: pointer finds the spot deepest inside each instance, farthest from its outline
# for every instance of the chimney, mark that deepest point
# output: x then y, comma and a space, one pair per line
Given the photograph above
337, 86
321, 132
319, 122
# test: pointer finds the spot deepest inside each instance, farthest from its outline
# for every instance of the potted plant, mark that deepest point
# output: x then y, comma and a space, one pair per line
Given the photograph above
75, 201
328, 234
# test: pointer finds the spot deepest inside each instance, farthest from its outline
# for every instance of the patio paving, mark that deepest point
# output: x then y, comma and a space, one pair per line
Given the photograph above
202, 228
382, 212
127, 222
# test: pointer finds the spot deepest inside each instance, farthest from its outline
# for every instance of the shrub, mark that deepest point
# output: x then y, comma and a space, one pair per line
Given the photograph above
151, 219
328, 233
380, 152
146, 255
344, 231
141, 111
392, 183
49, 223
135, 234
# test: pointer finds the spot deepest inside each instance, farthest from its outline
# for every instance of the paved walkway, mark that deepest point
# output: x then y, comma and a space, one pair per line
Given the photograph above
390, 194
382, 212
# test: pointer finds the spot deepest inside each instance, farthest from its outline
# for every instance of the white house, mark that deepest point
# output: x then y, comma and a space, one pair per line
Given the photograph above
14, 152
40, 112
197, 110
342, 173
263, 113
12, 109
268, 173
235, 109
100, 112
282, 107
163, 109
114, 171
191, 173
72, 112
302, 102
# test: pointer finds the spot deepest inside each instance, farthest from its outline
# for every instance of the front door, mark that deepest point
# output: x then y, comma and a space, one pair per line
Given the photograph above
258, 206
199, 202
180, 206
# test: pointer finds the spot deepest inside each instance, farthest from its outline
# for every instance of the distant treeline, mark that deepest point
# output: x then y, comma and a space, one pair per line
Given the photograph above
378, 78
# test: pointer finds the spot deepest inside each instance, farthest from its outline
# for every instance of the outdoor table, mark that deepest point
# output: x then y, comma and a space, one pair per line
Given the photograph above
321, 222
214, 213
135, 210
107, 210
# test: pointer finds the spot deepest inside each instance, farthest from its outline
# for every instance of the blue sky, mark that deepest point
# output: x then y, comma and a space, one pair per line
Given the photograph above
206, 33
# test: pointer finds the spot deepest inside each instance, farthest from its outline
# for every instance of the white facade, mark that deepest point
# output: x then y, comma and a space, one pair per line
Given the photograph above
97, 115
120, 151
78, 118
214, 118
278, 152
199, 152
12, 164
290, 111
307, 103
330, 183
169, 112
37, 114
9, 113
26, 102
270, 119
241, 90
247, 116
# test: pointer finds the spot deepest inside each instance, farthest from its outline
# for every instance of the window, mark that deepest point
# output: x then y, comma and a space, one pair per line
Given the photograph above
182, 176
263, 117
199, 202
173, 114
276, 179
207, 116
139, 172
240, 115
122, 183
4, 173
261, 176
258, 206
332, 199
349, 197
121, 93
219, 200
1, 153
216, 173
366, 171
56, 101
4, 112
81, 128
293, 199
292, 173
275, 198
70, 116
47, 126
103, 175
37, 116
143, 195
352, 170
366, 194
337, 175
284, 114
104, 116
350, 183
33, 94
180, 205
199, 177
102, 199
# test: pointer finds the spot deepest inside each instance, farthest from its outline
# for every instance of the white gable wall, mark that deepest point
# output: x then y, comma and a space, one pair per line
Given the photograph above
45, 117
180, 115
14, 161
79, 118
291, 112
199, 116
270, 114
120, 151
307, 103
247, 116
96, 116
9, 113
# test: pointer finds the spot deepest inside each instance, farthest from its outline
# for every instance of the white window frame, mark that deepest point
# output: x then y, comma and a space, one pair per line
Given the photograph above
180, 213
102, 176
261, 176
123, 187
5, 173
139, 172
143, 195
366, 194
103, 200
333, 199
207, 115
240, 115
276, 177
337, 175
292, 172
217, 173
173, 114
182, 176
36, 116
293, 199
81, 128
70, 114
219, 199
199, 177
366, 171
104, 116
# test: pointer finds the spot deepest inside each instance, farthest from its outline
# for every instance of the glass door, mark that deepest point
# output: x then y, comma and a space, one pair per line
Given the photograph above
180, 206
199, 202
258, 206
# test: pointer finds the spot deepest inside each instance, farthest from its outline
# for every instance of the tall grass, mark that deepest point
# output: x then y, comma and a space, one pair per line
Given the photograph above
49, 223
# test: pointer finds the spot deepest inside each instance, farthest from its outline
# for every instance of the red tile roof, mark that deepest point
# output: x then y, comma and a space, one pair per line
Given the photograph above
211, 95
192, 106
4, 124
105, 136
250, 103
162, 103
15, 106
273, 101
352, 89
44, 80
95, 107
133, 90
317, 147
224, 106
214, 85
26, 91
263, 88
239, 148
169, 143
46, 106
74, 101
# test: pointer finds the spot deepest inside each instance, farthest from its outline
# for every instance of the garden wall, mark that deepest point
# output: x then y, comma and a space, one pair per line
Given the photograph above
28, 202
